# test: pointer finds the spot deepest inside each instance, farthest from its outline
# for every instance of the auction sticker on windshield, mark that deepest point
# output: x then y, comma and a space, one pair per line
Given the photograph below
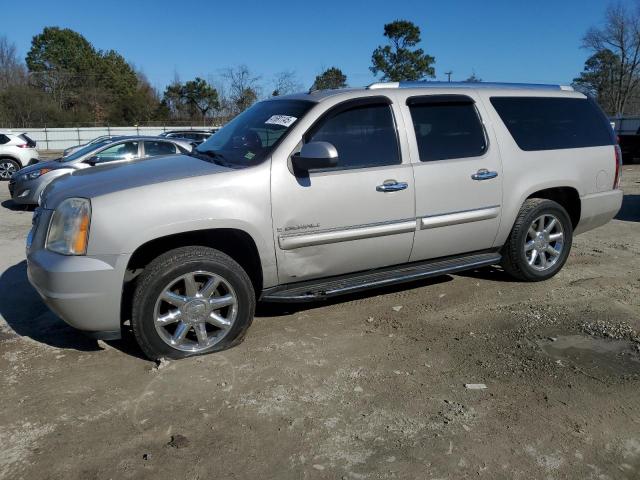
284, 120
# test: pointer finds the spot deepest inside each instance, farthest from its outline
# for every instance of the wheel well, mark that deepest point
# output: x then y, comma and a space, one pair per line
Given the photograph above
9, 157
567, 197
237, 244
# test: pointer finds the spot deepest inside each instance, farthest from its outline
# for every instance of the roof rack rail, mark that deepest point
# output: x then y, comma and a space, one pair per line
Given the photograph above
475, 85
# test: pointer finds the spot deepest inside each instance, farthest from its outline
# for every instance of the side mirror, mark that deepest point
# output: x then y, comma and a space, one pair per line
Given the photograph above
315, 155
92, 160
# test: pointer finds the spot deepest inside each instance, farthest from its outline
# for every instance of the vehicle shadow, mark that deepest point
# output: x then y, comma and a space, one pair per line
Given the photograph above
16, 207
28, 316
493, 273
630, 211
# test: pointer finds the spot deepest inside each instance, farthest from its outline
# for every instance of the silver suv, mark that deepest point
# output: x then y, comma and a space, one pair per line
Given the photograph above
16, 151
309, 196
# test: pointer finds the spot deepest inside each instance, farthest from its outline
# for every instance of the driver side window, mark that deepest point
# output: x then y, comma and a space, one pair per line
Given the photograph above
121, 151
364, 136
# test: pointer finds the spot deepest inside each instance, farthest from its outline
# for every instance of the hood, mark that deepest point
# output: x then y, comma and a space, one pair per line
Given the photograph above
106, 179
52, 164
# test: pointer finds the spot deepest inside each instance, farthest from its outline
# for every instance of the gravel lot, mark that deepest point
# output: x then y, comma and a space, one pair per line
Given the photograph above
370, 386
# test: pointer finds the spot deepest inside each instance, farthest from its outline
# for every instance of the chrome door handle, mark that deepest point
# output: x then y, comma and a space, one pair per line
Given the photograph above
392, 186
484, 174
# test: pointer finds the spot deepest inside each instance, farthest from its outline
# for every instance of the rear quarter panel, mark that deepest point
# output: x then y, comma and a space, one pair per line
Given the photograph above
587, 170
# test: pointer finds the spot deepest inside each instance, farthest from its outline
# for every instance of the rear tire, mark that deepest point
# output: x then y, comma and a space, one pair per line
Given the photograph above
8, 166
540, 240
191, 301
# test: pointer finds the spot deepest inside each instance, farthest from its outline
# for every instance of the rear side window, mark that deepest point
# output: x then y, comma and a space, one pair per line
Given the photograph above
538, 123
447, 127
365, 136
4, 139
159, 148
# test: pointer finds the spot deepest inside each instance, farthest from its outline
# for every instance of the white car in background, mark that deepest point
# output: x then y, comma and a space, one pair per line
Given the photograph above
17, 150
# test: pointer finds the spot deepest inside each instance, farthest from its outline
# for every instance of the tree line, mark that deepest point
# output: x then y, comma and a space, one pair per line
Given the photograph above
611, 74
65, 80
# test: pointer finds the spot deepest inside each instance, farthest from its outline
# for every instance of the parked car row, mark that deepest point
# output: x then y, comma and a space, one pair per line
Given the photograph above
26, 185
195, 136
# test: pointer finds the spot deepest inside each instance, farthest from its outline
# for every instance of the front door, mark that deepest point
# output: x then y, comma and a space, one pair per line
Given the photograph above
458, 176
347, 218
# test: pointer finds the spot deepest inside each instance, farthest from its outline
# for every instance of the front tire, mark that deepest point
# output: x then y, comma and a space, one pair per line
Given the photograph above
540, 240
191, 301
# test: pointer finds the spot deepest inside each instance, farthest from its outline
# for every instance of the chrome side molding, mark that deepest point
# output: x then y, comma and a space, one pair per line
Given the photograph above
324, 237
467, 216
289, 242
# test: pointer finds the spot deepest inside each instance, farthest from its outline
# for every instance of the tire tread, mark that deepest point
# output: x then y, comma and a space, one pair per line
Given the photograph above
511, 250
176, 257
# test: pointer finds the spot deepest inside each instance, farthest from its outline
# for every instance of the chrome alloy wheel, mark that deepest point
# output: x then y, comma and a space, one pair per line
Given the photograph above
195, 311
544, 242
7, 169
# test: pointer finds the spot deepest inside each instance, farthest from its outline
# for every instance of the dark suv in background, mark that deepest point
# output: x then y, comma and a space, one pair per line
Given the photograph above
198, 136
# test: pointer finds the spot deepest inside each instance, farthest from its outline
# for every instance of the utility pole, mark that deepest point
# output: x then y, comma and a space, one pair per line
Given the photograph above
448, 74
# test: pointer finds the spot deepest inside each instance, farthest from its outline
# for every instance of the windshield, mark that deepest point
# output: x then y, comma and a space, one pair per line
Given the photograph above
84, 150
251, 136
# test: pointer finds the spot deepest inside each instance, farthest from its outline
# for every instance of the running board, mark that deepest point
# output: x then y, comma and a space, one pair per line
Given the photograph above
355, 282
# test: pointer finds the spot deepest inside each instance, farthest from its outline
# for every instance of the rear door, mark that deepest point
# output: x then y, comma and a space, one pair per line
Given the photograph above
458, 175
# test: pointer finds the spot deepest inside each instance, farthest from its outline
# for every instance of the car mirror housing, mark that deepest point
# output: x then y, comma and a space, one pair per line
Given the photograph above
315, 155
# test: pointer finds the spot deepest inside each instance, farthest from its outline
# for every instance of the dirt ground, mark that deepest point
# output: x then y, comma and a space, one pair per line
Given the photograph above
370, 386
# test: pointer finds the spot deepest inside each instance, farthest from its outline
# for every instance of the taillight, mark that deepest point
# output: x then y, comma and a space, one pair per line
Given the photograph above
24, 145
618, 158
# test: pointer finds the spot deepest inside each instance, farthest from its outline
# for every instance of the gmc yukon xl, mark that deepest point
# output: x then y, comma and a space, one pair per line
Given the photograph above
313, 195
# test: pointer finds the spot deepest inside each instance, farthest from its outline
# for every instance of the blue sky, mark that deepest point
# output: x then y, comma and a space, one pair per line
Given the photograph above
501, 40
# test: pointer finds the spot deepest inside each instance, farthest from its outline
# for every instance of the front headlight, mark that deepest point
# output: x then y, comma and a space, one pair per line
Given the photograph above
37, 173
69, 228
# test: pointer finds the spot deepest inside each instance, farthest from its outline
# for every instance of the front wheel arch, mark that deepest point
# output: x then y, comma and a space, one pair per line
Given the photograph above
235, 243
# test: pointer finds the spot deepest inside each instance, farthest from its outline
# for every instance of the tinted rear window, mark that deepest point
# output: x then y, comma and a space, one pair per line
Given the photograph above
538, 123
447, 130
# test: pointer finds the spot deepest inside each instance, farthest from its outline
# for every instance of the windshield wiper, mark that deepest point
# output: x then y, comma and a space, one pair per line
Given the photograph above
217, 157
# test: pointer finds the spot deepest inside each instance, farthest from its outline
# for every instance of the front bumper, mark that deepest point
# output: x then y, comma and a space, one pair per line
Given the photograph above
84, 291
25, 192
